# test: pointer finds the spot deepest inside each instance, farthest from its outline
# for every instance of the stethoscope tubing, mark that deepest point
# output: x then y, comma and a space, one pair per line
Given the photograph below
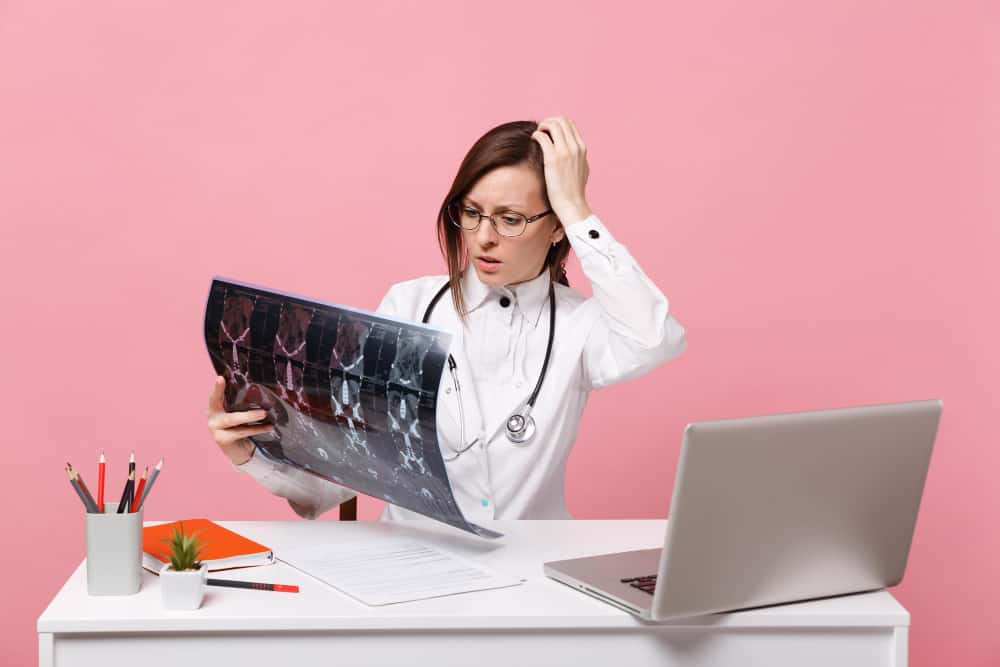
520, 426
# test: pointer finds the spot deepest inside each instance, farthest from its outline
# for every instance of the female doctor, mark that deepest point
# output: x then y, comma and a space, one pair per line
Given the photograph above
527, 348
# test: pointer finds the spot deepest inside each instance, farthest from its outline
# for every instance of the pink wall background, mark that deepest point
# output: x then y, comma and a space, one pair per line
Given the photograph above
813, 185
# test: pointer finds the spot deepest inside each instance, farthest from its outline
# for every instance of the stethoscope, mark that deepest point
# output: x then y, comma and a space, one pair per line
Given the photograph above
520, 426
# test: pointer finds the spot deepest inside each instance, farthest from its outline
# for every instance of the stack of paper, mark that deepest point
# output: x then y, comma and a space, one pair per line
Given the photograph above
385, 570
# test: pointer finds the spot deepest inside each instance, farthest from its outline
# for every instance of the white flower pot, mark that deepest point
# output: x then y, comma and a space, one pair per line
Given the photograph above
183, 590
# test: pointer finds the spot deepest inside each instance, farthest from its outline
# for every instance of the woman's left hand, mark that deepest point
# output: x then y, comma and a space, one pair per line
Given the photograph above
566, 168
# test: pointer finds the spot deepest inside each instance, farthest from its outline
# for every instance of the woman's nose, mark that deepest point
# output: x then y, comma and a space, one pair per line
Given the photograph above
486, 235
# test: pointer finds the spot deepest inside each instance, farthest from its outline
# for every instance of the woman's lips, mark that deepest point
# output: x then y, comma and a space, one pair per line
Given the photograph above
487, 265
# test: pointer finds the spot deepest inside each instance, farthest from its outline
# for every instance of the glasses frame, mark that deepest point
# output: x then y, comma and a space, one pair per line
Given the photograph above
496, 228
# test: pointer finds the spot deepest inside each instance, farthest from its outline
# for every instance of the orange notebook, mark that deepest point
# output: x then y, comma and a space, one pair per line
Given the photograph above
223, 548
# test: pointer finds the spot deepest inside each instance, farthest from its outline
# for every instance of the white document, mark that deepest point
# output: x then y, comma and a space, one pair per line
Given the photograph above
386, 570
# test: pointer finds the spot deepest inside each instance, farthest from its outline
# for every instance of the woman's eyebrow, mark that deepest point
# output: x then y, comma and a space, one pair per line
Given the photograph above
505, 206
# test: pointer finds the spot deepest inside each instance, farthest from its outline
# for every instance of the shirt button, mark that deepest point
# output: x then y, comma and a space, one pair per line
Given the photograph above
484, 502
594, 234
504, 302
447, 390
517, 385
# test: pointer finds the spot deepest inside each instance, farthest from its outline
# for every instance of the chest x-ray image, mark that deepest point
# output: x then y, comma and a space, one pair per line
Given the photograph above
352, 394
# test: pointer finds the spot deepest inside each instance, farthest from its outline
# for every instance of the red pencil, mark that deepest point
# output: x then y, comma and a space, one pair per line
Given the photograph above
138, 489
256, 585
100, 483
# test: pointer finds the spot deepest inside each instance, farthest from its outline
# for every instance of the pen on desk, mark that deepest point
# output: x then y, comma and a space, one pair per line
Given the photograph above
256, 585
138, 490
79, 491
89, 499
101, 465
123, 503
131, 476
149, 484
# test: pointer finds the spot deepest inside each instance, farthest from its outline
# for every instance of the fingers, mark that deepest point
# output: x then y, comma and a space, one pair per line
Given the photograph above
544, 140
564, 134
215, 398
229, 436
558, 131
227, 420
577, 135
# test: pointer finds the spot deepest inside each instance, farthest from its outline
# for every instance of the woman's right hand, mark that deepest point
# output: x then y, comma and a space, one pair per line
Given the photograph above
227, 427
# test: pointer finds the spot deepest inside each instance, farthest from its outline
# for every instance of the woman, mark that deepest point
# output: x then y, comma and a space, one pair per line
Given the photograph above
514, 210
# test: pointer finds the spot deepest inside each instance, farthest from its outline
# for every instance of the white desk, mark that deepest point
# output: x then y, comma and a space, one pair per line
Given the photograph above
539, 622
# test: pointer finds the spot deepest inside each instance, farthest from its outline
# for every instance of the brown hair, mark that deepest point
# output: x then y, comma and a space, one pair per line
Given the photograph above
505, 145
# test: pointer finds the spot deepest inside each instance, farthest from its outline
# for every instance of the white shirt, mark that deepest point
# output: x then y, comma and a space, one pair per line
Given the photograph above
623, 331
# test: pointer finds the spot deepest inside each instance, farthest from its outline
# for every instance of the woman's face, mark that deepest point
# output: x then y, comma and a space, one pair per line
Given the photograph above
504, 260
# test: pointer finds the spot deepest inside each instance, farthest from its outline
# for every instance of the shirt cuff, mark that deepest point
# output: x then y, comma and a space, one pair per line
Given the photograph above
258, 466
589, 236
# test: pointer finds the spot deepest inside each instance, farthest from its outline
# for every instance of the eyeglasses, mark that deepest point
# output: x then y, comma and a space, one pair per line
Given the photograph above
507, 223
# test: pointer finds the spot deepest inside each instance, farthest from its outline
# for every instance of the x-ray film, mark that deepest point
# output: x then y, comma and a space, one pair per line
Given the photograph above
352, 394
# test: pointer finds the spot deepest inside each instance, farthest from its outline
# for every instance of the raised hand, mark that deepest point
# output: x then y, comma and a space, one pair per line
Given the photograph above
566, 169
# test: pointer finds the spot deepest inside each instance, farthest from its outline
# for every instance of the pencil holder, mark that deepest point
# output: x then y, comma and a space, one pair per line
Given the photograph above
114, 552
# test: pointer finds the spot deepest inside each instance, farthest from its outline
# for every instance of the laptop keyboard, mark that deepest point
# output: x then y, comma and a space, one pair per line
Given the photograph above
646, 584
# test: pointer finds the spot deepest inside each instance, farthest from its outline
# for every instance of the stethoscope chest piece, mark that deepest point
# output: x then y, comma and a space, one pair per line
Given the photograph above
520, 428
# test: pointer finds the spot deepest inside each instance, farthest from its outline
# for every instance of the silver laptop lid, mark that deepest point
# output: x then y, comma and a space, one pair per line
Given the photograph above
793, 506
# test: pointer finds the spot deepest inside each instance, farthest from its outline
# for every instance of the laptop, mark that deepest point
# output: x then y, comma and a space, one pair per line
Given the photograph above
775, 509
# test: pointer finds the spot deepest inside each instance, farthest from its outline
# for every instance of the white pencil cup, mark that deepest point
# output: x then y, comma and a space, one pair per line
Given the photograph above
114, 552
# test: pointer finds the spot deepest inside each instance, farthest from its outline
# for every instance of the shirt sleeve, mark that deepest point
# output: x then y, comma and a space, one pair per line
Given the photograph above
308, 495
636, 330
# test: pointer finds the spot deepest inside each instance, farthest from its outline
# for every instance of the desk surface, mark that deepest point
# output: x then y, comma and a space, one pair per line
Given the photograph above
538, 603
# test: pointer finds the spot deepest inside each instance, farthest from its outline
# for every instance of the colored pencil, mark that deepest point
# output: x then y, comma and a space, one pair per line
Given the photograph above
79, 491
91, 505
101, 465
138, 489
149, 484
123, 503
256, 585
131, 475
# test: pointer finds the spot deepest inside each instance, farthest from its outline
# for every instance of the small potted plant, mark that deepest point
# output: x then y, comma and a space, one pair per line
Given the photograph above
183, 579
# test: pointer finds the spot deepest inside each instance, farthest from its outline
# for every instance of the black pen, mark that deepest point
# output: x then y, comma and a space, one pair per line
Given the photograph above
123, 503
131, 476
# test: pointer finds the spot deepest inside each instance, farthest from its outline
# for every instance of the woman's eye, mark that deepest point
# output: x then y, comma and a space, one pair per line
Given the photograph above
511, 220
471, 212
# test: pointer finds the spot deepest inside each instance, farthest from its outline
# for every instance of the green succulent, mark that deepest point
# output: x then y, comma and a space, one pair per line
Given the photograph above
184, 550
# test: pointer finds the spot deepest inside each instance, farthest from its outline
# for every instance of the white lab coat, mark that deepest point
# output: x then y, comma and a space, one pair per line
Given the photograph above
623, 331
